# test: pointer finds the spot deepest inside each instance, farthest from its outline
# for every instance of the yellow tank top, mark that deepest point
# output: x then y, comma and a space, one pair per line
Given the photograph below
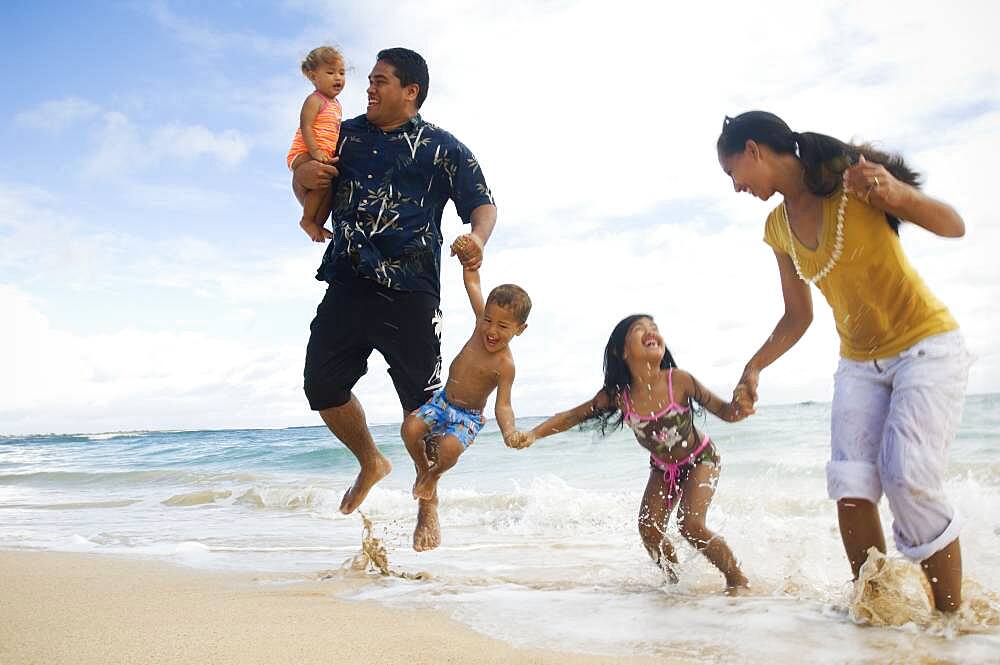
880, 304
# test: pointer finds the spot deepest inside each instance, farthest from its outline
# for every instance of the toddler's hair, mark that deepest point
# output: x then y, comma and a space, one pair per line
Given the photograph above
512, 297
322, 55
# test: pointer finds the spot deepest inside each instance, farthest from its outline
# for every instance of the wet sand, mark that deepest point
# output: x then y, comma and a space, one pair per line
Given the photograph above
81, 609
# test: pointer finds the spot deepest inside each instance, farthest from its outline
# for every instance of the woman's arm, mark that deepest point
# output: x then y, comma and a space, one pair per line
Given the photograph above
873, 182
792, 325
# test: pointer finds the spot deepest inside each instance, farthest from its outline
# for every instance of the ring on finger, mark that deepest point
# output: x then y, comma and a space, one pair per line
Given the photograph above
875, 181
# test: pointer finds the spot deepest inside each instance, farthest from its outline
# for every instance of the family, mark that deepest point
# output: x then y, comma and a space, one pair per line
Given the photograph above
384, 179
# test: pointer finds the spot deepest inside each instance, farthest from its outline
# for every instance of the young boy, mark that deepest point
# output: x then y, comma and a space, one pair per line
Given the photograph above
448, 423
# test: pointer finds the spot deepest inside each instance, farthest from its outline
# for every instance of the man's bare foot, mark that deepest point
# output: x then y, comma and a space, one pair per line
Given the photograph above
425, 486
367, 477
427, 535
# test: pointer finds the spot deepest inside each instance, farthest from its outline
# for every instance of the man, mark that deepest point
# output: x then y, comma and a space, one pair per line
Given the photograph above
394, 174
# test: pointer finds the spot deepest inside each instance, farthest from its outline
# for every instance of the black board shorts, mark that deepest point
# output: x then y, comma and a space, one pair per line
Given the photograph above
359, 315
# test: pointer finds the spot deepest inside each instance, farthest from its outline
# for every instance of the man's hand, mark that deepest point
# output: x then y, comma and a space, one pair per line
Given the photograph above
316, 175
469, 250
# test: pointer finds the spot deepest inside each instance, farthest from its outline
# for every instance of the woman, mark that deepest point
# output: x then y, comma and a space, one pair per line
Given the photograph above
900, 385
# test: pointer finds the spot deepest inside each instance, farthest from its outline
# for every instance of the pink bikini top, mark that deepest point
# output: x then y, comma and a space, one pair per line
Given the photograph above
660, 432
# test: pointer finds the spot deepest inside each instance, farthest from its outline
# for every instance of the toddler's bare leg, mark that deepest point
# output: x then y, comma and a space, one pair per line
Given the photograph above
427, 535
653, 515
699, 488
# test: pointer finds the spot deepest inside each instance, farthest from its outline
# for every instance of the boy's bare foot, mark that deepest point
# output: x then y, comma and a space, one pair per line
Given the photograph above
316, 232
367, 477
427, 535
425, 486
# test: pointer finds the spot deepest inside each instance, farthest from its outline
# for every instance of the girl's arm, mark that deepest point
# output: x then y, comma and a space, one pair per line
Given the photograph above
792, 325
310, 109
475, 291
562, 421
727, 411
902, 200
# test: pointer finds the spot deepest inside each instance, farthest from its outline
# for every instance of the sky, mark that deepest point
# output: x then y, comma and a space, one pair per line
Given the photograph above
153, 275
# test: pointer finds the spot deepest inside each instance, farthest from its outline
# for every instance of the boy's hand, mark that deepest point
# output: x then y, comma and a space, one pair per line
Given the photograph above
320, 156
469, 250
519, 439
315, 232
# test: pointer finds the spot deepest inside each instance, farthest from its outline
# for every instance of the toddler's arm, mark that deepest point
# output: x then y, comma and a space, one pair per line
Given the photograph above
475, 291
310, 109
728, 411
561, 421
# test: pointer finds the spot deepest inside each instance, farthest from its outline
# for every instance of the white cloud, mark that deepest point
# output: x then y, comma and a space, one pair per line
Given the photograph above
57, 115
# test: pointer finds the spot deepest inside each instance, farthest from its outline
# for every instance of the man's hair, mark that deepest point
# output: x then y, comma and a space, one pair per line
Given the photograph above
410, 68
512, 297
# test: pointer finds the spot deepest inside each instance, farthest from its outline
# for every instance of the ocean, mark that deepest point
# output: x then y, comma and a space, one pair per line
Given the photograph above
540, 546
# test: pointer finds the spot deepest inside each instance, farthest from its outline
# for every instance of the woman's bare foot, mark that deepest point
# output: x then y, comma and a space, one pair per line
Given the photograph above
427, 535
737, 586
425, 487
367, 477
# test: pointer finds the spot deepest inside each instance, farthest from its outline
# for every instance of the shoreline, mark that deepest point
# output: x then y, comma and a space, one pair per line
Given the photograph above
80, 608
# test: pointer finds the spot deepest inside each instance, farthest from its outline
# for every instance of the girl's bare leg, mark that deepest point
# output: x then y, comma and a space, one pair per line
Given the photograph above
860, 529
699, 488
653, 514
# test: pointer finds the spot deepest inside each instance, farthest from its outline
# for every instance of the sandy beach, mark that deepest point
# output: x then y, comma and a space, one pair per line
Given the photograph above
77, 608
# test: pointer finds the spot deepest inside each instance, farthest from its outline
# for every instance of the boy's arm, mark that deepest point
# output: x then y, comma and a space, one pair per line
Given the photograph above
310, 109
503, 411
475, 291
563, 421
727, 411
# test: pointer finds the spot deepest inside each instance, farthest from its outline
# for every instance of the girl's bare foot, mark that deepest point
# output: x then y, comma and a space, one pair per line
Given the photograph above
367, 477
427, 535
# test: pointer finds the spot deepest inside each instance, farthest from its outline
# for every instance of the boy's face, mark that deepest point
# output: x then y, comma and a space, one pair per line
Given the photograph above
497, 326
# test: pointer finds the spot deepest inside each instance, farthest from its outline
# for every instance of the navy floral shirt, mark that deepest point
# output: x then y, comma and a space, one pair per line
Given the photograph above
388, 201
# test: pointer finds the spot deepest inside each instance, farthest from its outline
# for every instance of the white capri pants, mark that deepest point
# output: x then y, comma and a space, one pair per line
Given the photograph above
893, 421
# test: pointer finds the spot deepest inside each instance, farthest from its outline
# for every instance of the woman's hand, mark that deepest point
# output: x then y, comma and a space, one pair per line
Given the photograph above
872, 183
745, 394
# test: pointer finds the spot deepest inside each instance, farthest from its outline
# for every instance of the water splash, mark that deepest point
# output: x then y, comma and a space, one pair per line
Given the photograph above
375, 558
894, 592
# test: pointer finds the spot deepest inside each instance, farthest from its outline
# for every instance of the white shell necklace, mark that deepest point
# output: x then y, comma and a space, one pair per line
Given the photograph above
838, 243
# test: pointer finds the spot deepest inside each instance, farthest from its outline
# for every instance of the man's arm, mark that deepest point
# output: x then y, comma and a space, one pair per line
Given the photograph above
475, 291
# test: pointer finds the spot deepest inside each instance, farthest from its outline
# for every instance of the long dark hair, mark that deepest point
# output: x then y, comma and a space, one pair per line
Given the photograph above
617, 376
823, 157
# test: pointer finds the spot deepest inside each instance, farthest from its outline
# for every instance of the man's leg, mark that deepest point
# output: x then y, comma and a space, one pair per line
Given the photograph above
336, 357
347, 422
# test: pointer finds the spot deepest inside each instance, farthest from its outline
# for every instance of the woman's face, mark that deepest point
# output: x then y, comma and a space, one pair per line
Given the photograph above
749, 170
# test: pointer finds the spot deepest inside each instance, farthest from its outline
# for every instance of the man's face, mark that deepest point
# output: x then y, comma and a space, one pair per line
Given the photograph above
389, 103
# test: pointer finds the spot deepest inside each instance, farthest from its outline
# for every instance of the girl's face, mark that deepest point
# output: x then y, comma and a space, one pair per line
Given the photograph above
329, 78
749, 170
643, 345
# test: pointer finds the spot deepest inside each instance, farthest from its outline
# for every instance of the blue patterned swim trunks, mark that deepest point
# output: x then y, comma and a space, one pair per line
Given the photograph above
444, 418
